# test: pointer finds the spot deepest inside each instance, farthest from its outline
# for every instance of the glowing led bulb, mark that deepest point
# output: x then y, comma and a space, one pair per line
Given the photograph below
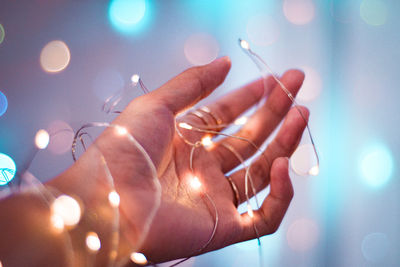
240, 121
92, 241
121, 130
114, 199
184, 125
195, 183
206, 141
57, 223
67, 209
138, 258
42, 139
135, 79
250, 211
244, 44
314, 171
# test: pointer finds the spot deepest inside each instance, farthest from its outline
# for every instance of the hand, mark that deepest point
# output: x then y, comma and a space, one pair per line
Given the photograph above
184, 221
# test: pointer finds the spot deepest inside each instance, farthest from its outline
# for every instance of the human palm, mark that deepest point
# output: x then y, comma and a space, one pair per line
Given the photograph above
186, 216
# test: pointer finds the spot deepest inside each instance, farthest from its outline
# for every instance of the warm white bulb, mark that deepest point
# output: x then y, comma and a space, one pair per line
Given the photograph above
314, 171
121, 130
195, 183
42, 139
57, 223
114, 199
250, 211
92, 241
240, 121
138, 258
66, 208
244, 44
206, 141
135, 79
184, 125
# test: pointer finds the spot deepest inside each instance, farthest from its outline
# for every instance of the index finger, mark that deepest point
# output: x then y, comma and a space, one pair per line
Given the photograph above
192, 85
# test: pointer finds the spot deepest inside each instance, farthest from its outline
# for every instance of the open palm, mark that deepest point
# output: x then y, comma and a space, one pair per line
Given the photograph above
185, 219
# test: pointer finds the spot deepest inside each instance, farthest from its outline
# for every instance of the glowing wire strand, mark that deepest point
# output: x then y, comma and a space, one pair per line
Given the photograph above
150, 163
262, 66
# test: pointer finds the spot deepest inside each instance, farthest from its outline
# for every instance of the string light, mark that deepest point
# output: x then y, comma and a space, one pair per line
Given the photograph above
184, 125
93, 242
114, 199
250, 211
207, 142
264, 67
135, 79
42, 139
57, 223
240, 121
68, 209
195, 183
121, 130
138, 258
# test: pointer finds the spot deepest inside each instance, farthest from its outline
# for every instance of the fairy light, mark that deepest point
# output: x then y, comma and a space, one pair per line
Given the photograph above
250, 211
314, 171
57, 223
93, 242
184, 125
195, 183
206, 141
135, 79
138, 258
68, 209
42, 139
240, 121
114, 199
121, 130
244, 44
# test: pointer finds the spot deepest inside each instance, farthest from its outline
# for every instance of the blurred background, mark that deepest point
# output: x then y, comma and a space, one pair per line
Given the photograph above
60, 59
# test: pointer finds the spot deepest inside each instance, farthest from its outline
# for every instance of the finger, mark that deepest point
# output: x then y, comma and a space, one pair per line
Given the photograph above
268, 218
192, 85
229, 107
283, 145
262, 123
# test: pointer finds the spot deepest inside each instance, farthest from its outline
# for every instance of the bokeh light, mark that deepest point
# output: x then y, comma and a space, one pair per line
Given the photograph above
107, 83
114, 199
2, 33
299, 12
93, 242
262, 30
3, 104
8, 169
57, 223
302, 235
303, 160
375, 247
376, 165
138, 258
373, 12
61, 138
42, 139
55, 56
312, 85
126, 15
68, 209
201, 49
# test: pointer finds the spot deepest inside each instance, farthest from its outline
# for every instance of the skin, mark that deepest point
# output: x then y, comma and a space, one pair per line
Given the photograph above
184, 221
